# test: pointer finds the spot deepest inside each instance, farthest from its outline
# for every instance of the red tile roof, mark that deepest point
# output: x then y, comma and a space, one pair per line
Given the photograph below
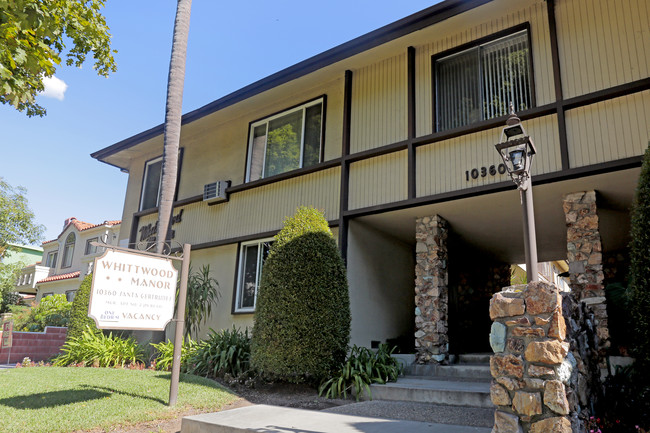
81, 226
60, 277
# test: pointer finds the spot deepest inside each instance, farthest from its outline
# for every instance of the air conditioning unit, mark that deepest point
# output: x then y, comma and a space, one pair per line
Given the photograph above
216, 191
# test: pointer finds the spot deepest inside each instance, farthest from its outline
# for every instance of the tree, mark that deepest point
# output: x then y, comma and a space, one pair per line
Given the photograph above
9, 273
17, 221
79, 320
639, 276
173, 114
302, 316
33, 38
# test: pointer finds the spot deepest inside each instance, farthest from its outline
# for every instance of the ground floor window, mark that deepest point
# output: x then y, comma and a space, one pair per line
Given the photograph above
251, 259
69, 295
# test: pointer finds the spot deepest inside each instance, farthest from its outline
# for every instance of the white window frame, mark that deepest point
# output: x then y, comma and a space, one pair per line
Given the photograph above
303, 107
66, 261
89, 248
51, 263
144, 181
241, 275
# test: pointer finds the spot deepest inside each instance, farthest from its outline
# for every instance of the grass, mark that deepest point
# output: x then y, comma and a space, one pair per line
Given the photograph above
61, 400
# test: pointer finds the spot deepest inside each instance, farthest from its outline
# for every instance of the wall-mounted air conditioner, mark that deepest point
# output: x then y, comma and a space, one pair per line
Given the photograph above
216, 191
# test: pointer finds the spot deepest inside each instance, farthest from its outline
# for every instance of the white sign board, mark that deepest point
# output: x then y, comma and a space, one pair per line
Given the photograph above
132, 291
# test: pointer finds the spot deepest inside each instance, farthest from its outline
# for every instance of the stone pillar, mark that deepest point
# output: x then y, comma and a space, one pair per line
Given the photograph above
528, 337
584, 253
431, 290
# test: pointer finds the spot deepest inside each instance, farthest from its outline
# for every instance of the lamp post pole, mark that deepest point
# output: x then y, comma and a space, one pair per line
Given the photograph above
530, 239
517, 149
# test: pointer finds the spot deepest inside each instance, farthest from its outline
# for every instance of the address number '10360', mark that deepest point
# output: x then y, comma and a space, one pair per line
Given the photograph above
485, 171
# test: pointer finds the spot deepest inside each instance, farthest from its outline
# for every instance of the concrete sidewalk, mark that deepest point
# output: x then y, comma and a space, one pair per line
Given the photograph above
276, 419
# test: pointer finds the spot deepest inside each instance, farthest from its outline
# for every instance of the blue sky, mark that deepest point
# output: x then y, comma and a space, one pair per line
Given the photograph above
231, 44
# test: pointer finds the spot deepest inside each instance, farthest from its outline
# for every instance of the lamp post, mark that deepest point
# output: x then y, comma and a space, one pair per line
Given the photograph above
517, 150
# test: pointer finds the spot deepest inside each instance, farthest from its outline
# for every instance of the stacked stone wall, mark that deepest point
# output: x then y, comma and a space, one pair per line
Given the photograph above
431, 290
531, 367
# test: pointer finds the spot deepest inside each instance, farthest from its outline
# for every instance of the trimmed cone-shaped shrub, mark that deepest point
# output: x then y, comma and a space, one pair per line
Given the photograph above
302, 316
639, 276
79, 319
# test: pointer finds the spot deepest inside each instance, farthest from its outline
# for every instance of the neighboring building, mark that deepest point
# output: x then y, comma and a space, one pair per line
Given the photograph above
24, 254
392, 134
67, 259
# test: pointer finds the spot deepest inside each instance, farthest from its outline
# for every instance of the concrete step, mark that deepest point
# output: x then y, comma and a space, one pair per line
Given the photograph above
478, 372
424, 412
262, 418
431, 390
474, 358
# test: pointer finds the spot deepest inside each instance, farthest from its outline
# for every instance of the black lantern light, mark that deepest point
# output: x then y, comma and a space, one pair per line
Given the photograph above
517, 150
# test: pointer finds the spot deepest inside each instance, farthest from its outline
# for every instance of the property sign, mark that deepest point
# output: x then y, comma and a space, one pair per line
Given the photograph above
7, 331
132, 291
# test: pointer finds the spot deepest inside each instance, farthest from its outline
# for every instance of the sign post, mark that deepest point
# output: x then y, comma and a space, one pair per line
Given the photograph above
136, 290
180, 322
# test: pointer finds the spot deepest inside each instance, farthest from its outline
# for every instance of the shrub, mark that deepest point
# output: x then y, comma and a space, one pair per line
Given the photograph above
165, 354
302, 317
202, 294
53, 310
98, 350
223, 352
362, 368
79, 319
639, 276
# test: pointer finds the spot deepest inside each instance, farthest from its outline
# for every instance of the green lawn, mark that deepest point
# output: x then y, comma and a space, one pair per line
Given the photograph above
58, 400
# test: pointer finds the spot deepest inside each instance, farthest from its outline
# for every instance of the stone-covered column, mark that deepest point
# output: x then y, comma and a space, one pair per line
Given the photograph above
431, 290
584, 253
529, 365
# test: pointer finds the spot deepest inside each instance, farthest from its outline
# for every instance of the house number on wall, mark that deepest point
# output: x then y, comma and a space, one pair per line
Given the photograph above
484, 171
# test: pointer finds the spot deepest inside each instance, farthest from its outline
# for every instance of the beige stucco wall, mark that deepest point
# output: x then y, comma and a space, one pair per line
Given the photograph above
381, 274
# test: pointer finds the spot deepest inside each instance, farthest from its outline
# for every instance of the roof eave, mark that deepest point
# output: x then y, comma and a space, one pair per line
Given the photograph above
397, 29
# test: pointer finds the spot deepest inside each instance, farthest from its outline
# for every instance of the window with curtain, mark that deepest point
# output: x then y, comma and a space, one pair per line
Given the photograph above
286, 141
480, 83
68, 251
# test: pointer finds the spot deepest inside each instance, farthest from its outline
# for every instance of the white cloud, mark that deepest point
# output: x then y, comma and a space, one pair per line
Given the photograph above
54, 88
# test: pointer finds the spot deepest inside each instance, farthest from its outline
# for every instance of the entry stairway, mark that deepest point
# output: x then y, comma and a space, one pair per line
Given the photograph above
459, 393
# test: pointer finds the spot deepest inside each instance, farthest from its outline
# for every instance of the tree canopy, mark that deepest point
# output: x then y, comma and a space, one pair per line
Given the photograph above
33, 38
17, 221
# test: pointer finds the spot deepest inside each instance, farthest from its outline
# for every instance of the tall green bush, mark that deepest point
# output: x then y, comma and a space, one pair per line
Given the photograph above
302, 318
639, 276
79, 319
53, 310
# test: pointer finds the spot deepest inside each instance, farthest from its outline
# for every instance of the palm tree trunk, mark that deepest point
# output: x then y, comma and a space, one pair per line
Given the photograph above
173, 115
172, 137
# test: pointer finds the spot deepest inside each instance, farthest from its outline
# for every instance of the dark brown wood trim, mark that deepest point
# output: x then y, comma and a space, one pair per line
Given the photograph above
605, 94
377, 151
133, 235
246, 238
183, 202
557, 82
605, 167
345, 165
284, 176
411, 122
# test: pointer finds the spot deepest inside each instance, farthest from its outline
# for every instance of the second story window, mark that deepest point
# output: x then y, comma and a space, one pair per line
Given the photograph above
151, 183
479, 83
68, 251
286, 141
50, 261
91, 249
